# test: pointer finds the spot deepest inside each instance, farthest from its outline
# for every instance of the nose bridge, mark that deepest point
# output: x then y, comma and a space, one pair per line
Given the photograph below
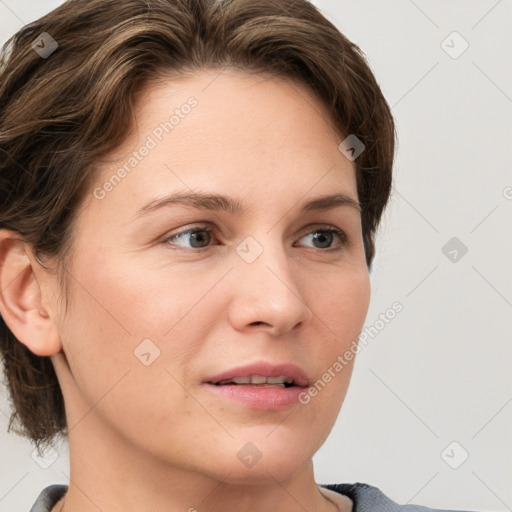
265, 260
266, 289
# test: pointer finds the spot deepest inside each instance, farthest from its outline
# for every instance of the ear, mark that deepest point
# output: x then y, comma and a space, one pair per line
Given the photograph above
21, 303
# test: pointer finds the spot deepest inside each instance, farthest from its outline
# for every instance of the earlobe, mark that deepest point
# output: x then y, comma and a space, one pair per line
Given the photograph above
21, 303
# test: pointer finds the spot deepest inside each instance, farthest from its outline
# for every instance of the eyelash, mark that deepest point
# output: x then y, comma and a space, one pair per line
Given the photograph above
205, 228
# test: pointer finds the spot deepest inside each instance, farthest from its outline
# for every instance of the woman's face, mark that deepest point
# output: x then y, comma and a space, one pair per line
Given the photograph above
167, 296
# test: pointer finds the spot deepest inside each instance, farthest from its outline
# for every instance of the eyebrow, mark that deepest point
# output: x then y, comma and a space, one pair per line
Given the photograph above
221, 202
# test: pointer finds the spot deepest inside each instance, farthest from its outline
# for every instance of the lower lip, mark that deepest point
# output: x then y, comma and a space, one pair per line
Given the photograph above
269, 398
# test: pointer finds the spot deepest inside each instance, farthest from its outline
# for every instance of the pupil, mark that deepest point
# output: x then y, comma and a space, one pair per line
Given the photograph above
323, 236
198, 236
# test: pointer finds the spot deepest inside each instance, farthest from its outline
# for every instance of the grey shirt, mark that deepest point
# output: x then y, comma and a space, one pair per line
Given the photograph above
365, 498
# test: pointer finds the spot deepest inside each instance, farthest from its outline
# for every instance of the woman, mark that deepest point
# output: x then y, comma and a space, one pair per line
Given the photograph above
190, 192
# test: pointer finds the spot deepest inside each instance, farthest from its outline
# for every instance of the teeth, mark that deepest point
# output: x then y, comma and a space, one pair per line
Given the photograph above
275, 380
241, 380
257, 379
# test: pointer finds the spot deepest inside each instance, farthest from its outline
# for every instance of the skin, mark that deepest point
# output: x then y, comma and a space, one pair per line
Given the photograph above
154, 437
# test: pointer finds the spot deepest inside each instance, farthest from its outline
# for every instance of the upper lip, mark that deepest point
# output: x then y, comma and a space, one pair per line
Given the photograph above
265, 369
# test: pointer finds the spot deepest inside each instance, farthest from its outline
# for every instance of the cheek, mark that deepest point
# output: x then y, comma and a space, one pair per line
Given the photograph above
98, 346
343, 312
342, 308
114, 313
135, 300
101, 339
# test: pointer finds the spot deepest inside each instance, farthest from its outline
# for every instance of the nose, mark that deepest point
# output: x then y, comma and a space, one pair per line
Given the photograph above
268, 294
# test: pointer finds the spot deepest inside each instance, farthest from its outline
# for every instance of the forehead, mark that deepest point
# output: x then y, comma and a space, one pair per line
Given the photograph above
260, 94
228, 131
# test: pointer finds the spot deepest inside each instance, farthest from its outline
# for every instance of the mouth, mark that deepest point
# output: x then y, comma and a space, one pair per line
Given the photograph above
262, 374
259, 381
260, 385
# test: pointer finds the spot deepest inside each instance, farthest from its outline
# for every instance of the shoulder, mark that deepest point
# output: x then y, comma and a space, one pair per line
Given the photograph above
48, 497
367, 498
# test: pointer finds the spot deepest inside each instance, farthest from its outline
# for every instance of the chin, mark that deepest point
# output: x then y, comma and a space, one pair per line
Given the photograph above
275, 470
258, 458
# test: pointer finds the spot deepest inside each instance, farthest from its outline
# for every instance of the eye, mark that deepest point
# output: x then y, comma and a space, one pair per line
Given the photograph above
323, 237
200, 237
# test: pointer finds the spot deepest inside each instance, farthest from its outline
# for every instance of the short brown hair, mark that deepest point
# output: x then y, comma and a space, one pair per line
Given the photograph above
60, 114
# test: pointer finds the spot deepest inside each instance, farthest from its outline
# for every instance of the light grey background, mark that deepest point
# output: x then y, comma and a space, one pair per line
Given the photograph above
439, 372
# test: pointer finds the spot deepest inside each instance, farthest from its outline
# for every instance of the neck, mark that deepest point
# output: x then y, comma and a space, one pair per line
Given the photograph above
114, 475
